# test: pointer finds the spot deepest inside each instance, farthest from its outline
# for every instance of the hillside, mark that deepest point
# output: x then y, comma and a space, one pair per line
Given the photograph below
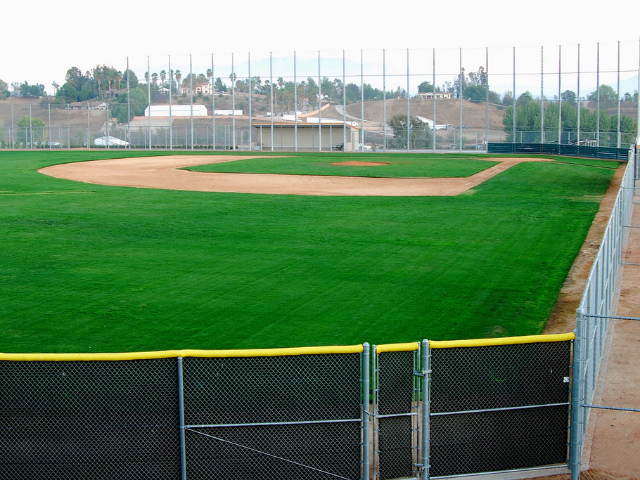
447, 112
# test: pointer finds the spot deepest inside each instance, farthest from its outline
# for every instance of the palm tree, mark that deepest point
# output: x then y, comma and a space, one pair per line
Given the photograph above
280, 85
163, 76
99, 80
109, 74
154, 78
178, 77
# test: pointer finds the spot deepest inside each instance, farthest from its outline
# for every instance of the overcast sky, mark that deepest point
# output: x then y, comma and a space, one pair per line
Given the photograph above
41, 40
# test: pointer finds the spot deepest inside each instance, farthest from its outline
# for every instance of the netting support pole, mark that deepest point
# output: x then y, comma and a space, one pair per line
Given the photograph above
366, 415
576, 436
183, 453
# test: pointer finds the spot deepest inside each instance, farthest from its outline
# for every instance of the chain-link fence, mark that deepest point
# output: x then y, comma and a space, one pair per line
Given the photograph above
287, 414
497, 407
396, 401
606, 410
595, 319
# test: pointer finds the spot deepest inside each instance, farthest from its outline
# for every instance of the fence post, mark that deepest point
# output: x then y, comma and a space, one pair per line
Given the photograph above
576, 437
183, 453
365, 412
426, 408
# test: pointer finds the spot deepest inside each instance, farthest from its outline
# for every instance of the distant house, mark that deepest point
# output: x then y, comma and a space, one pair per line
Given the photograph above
204, 88
429, 95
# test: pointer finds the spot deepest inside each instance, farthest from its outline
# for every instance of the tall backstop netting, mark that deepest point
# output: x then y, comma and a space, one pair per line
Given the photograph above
342, 100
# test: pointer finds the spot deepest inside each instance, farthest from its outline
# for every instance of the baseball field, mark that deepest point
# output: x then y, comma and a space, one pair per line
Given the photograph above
88, 267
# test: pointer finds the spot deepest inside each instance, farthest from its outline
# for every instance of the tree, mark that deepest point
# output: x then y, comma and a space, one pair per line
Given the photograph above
74, 77
30, 129
475, 93
133, 78
425, 87
257, 85
138, 103
460, 84
569, 97
119, 77
479, 78
221, 87
352, 92
4, 89
420, 133
338, 88
31, 91
525, 99
608, 96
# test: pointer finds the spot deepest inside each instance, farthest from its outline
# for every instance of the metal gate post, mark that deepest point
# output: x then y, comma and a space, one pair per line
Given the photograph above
183, 453
576, 434
365, 412
426, 408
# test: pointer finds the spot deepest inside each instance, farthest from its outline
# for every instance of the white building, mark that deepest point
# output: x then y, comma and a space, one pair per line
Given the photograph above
309, 136
226, 113
176, 111
110, 141
429, 95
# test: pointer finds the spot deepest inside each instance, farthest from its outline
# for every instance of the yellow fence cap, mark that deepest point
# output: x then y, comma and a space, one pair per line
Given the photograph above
95, 357
397, 347
489, 342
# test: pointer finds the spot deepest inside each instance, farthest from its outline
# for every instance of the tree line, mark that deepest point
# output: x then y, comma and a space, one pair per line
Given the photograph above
530, 115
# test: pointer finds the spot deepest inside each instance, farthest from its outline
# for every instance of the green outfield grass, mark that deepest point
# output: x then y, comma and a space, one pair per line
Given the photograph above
88, 268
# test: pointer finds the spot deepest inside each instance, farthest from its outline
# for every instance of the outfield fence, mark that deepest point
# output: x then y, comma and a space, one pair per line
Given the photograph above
436, 409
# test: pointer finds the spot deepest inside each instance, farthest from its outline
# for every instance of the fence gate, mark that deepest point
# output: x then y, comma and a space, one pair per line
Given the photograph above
395, 410
291, 416
499, 405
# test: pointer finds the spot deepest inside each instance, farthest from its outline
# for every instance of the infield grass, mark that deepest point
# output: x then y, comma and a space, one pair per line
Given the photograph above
89, 268
394, 165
